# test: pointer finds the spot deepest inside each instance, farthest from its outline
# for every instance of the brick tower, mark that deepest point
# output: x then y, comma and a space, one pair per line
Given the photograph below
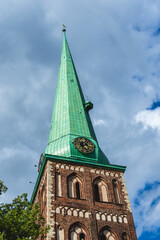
82, 196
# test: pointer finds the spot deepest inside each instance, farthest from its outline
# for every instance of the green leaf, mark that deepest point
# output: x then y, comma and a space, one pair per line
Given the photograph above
20, 220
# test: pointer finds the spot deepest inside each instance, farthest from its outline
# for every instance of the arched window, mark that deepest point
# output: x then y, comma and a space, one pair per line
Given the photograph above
77, 232
60, 233
116, 191
82, 236
125, 236
40, 200
77, 190
43, 193
75, 187
100, 190
107, 234
102, 237
58, 184
96, 192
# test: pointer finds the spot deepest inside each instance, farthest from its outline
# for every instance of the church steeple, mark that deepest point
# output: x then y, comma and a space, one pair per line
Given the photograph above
81, 195
70, 118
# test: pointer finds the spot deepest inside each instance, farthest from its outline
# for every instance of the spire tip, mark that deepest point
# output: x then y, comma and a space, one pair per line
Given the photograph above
64, 28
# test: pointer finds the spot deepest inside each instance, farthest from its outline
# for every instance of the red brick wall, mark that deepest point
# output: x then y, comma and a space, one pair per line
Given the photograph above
65, 211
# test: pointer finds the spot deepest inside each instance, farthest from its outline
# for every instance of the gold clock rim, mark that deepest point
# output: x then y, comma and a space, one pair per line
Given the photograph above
82, 151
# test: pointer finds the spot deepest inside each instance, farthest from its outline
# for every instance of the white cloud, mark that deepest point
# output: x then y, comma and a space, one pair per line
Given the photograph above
148, 210
99, 122
149, 119
149, 90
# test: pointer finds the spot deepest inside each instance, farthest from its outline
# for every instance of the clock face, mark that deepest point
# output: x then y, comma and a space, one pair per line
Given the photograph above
83, 145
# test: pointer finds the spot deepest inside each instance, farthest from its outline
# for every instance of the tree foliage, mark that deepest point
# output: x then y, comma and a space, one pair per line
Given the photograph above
3, 188
20, 220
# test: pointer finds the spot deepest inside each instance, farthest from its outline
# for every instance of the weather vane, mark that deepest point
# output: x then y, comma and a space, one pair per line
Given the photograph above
64, 27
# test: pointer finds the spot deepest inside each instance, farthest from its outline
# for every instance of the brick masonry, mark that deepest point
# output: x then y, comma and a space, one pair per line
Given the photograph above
61, 212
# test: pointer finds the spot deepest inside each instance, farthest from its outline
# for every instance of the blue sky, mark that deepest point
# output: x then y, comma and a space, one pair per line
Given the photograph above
116, 49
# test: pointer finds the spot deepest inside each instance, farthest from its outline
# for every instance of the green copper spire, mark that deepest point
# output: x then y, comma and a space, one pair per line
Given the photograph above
70, 118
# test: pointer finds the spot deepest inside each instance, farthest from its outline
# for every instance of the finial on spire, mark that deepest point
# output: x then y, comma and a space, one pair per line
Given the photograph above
64, 28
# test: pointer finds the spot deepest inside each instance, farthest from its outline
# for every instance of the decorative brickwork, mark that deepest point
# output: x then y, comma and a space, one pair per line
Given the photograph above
124, 190
63, 212
50, 200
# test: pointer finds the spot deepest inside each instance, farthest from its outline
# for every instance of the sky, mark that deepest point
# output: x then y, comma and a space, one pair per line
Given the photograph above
116, 50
